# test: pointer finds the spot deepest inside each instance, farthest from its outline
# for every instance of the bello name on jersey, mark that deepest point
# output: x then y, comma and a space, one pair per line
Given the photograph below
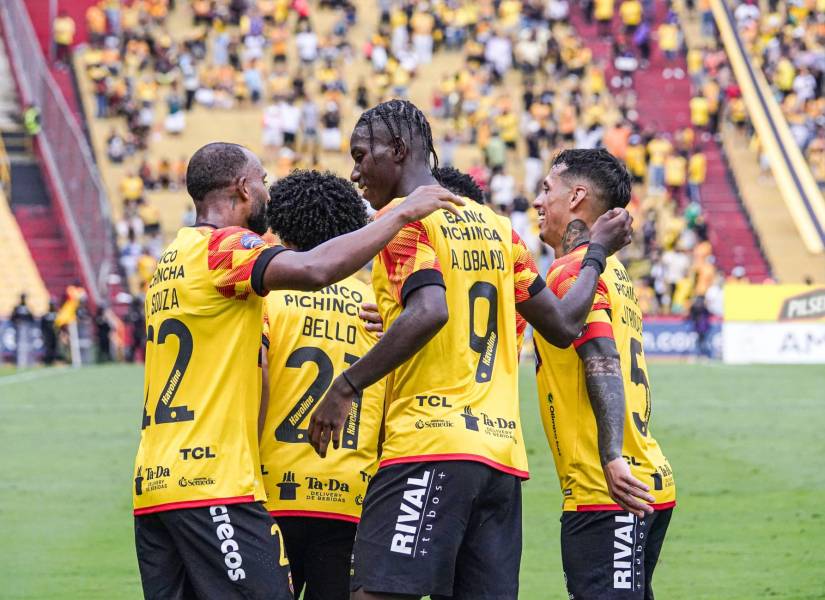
566, 412
307, 334
457, 398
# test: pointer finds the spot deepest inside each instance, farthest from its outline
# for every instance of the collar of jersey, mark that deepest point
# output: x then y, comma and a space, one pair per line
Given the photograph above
390, 205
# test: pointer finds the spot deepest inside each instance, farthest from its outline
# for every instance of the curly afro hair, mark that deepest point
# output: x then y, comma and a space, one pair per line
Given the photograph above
459, 183
307, 208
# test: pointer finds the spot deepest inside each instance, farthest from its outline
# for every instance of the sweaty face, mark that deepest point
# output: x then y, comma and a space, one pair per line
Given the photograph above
553, 206
373, 171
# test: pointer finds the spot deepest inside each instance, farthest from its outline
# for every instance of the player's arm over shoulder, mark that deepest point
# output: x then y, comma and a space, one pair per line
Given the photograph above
342, 256
560, 314
411, 261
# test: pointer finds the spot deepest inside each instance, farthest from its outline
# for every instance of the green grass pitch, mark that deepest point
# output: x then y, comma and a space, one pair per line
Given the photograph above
746, 445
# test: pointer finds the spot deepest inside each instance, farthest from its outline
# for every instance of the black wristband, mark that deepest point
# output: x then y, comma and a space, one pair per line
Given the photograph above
596, 255
352, 385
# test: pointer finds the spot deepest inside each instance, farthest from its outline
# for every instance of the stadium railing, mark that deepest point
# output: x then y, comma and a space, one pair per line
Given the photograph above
64, 151
793, 175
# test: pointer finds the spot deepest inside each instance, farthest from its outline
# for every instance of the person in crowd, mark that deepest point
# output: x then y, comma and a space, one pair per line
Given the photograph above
63, 32
23, 322
48, 333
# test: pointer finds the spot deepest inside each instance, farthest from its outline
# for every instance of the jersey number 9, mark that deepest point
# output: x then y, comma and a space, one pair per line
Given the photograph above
487, 344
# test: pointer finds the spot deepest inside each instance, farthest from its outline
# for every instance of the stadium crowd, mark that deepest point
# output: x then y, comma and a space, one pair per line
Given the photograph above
524, 86
786, 39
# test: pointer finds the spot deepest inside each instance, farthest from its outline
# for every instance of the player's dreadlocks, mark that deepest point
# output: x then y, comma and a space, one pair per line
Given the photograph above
307, 208
460, 183
395, 112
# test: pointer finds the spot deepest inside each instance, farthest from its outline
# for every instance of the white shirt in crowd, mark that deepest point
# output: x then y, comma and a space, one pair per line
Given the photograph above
502, 189
676, 265
307, 44
290, 117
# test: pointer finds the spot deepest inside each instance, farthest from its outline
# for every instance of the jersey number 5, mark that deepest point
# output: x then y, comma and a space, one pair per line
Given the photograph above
487, 344
164, 411
288, 430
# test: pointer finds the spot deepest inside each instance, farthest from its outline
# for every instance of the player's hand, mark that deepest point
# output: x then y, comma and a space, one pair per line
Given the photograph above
613, 230
327, 421
372, 319
628, 492
427, 199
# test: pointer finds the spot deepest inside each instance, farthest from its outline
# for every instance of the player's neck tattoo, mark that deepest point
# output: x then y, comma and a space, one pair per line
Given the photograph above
575, 234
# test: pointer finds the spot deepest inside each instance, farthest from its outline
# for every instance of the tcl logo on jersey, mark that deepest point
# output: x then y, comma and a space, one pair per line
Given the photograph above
434, 401
229, 547
406, 525
196, 453
623, 552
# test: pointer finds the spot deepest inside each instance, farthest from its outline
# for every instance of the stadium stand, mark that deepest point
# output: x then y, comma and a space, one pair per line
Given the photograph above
28, 197
18, 269
41, 18
476, 114
782, 140
663, 90
78, 205
157, 82
785, 40
755, 174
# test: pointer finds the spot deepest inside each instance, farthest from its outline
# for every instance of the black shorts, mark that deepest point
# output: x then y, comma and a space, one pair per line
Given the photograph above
449, 529
320, 553
610, 555
224, 551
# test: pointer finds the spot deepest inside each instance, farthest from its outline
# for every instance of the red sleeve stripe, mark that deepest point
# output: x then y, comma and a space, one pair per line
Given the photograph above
592, 331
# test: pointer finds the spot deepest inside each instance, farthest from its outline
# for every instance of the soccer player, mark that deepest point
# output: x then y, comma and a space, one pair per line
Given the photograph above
442, 515
199, 525
617, 486
311, 337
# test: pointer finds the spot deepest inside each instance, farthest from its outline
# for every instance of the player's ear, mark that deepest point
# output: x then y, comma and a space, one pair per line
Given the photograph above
578, 194
242, 188
399, 149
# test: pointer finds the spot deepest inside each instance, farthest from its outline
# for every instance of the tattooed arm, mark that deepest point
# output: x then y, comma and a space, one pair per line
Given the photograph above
605, 388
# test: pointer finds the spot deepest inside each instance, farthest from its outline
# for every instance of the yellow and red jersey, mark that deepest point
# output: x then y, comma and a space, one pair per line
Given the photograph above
457, 398
202, 386
566, 412
311, 338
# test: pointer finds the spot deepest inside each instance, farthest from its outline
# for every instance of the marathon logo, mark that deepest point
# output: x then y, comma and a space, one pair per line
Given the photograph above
810, 305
